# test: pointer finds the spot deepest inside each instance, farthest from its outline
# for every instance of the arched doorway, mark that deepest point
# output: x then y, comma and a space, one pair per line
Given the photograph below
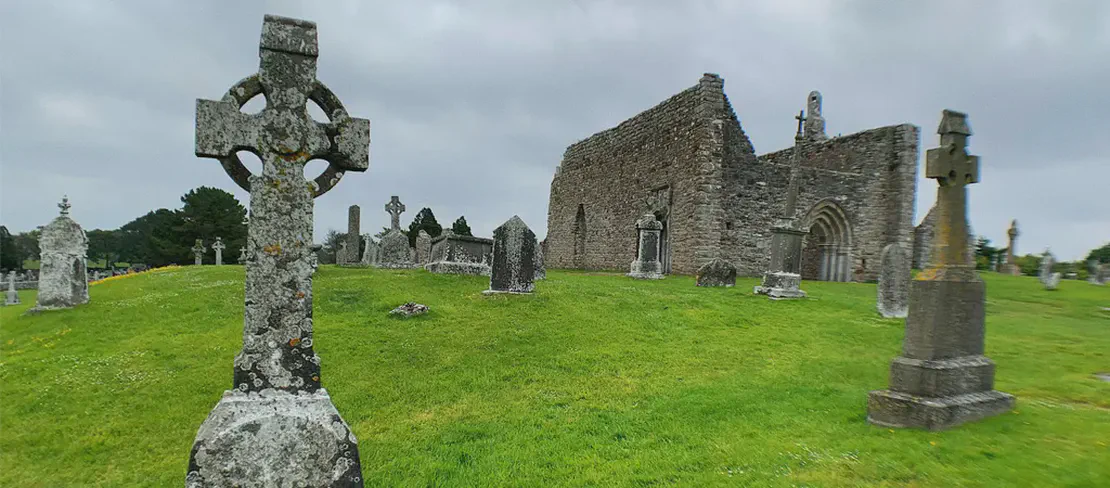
579, 232
827, 254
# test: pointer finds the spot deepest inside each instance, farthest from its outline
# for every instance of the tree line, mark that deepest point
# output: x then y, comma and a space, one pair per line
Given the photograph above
1030, 264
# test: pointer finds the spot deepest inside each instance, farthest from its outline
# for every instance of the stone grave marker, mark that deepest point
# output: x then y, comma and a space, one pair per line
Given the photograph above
1011, 267
278, 426
198, 252
242, 255
647, 265
514, 258
370, 255
423, 247
717, 272
350, 255
894, 281
12, 297
541, 269
783, 278
395, 250
942, 379
1049, 279
219, 247
63, 276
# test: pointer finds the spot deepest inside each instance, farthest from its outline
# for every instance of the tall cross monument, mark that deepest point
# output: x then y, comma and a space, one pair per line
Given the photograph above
395, 208
942, 379
783, 277
219, 247
277, 425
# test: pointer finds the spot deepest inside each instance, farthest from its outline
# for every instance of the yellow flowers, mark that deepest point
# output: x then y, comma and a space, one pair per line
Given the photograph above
126, 275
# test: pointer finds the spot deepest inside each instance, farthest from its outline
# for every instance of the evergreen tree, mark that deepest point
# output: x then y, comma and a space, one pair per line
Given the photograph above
210, 213
103, 244
154, 239
1101, 254
327, 252
425, 220
460, 227
10, 257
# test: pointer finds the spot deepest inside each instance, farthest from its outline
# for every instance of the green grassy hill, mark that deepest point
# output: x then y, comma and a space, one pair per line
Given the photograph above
596, 380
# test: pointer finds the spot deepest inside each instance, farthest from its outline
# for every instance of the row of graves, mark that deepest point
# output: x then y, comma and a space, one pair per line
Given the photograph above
277, 426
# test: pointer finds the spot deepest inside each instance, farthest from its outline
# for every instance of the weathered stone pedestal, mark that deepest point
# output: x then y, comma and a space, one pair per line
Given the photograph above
942, 378
237, 443
781, 286
782, 281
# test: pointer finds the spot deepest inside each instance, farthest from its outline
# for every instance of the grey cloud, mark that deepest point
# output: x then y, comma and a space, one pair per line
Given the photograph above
473, 103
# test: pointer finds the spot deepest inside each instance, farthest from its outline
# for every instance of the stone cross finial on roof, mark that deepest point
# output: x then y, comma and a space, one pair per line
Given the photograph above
801, 117
395, 208
65, 205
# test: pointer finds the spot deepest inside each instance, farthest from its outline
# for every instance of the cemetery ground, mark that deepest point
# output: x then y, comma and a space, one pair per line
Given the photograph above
595, 380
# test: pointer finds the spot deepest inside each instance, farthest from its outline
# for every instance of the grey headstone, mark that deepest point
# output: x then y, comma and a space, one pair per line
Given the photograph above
647, 265
278, 426
12, 297
1011, 267
370, 255
350, 255
219, 247
717, 272
423, 247
198, 252
63, 276
541, 269
242, 255
1049, 279
894, 281
514, 258
395, 249
942, 379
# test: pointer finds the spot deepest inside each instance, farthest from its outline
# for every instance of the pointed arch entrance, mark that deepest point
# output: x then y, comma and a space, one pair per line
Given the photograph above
827, 254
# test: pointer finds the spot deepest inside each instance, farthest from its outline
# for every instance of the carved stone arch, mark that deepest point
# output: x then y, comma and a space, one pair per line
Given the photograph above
828, 250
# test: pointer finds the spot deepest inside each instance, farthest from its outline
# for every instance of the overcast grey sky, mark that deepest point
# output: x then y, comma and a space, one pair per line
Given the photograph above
472, 103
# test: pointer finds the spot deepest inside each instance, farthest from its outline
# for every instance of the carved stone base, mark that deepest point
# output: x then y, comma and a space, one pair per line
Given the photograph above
780, 286
453, 267
896, 409
646, 270
274, 438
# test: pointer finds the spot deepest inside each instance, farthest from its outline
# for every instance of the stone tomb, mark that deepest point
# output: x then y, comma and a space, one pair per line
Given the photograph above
894, 281
277, 426
942, 379
454, 254
647, 265
395, 250
63, 276
717, 272
513, 268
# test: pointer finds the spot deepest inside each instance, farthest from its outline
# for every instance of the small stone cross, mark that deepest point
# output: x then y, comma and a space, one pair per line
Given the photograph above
953, 169
801, 118
219, 247
65, 205
395, 208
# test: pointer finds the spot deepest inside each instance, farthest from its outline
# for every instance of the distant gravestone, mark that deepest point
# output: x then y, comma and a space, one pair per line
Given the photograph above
198, 252
12, 297
1096, 273
942, 379
647, 265
370, 255
219, 247
1049, 279
63, 277
1011, 267
514, 258
278, 426
423, 247
717, 272
894, 281
242, 255
541, 269
395, 250
350, 254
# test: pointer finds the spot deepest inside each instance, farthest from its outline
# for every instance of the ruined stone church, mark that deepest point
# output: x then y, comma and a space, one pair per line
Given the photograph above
688, 162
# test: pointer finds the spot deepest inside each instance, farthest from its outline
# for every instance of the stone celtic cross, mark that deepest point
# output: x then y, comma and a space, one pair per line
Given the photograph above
277, 349
198, 252
953, 169
219, 247
395, 208
278, 426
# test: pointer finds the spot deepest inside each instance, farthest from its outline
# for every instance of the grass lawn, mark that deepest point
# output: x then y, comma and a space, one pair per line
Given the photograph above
596, 380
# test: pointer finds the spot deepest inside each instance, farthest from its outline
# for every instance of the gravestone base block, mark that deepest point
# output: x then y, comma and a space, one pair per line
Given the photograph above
646, 270
274, 438
506, 292
454, 267
781, 286
888, 408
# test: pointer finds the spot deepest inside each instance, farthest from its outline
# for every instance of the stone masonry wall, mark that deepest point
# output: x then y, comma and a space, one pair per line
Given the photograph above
869, 175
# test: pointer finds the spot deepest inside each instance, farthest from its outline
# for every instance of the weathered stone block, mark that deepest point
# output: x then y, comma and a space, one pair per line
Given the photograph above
781, 286
894, 282
513, 267
717, 272
945, 319
894, 409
